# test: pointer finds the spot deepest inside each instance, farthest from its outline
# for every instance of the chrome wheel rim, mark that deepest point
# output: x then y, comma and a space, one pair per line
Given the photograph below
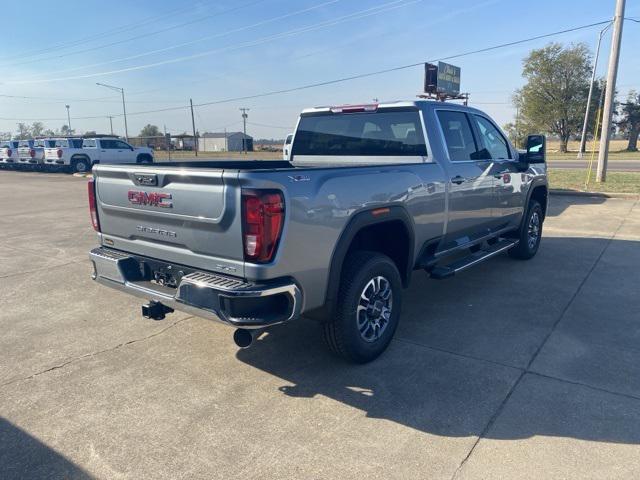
374, 308
81, 167
533, 231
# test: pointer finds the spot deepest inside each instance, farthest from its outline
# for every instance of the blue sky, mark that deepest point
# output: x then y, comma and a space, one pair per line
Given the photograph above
164, 53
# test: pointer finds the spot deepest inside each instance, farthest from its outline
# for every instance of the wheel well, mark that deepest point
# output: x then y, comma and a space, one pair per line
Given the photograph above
143, 156
389, 238
80, 157
540, 193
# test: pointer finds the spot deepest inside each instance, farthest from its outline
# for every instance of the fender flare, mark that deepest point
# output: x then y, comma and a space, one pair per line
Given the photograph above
361, 220
535, 184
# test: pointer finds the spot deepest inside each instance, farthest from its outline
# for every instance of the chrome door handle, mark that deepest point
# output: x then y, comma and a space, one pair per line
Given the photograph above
457, 180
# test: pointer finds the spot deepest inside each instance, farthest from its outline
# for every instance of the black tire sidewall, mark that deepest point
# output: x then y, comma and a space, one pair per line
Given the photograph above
534, 206
78, 161
351, 288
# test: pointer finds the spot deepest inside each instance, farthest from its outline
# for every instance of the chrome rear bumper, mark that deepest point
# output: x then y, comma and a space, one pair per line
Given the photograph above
209, 295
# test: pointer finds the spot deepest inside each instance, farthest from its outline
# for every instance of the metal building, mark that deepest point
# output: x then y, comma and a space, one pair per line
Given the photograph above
224, 142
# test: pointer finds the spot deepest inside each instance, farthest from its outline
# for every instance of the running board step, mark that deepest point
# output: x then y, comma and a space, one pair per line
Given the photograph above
446, 271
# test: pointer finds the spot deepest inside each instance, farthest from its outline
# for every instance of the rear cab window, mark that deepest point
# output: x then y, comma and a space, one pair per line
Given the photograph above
63, 143
89, 143
383, 133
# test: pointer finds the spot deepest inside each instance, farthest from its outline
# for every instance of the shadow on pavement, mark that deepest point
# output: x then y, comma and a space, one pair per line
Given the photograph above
559, 203
439, 379
24, 457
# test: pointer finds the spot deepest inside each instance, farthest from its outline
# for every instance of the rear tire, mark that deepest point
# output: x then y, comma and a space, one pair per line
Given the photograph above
367, 309
144, 159
80, 165
530, 233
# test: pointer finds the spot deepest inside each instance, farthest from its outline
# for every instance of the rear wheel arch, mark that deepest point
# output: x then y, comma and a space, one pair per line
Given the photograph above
390, 233
144, 158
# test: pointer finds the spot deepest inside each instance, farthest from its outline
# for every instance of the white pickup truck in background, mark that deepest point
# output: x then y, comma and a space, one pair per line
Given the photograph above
286, 148
80, 154
31, 152
9, 151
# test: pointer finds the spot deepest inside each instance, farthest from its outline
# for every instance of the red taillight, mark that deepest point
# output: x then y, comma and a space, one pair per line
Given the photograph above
59, 152
262, 220
32, 153
93, 207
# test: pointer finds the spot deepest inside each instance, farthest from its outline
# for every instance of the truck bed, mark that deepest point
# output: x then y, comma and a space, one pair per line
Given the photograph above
232, 164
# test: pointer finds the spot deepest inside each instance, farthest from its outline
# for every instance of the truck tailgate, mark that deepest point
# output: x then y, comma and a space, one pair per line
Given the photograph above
184, 216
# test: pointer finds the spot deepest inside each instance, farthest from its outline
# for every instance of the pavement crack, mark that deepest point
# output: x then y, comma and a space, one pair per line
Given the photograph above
93, 354
527, 369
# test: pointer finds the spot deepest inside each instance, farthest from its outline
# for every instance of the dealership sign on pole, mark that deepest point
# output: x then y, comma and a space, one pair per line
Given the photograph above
442, 80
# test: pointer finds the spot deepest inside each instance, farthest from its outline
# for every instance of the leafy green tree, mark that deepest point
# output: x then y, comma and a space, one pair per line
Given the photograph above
37, 128
630, 119
150, 131
65, 130
517, 133
554, 97
23, 131
48, 133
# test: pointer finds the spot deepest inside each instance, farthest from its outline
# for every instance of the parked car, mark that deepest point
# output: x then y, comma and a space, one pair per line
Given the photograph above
78, 154
371, 193
9, 151
31, 152
286, 148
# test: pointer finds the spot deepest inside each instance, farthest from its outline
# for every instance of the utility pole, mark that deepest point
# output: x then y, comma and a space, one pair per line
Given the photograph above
124, 107
583, 138
614, 58
193, 124
68, 118
169, 145
111, 123
244, 122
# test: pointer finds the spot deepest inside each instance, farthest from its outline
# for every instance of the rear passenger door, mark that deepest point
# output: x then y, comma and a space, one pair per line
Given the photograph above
508, 180
471, 194
109, 151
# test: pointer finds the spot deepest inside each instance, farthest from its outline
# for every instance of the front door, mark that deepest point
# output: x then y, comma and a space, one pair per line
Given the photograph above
471, 189
510, 182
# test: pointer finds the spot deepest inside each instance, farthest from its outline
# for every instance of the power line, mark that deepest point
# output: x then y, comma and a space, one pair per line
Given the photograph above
359, 76
198, 40
353, 16
106, 33
144, 35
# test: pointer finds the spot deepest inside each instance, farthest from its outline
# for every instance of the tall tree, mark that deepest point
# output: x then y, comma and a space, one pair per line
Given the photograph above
150, 131
65, 130
555, 94
630, 119
37, 128
24, 131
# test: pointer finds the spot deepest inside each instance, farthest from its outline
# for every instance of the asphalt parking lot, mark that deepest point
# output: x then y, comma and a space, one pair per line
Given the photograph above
510, 370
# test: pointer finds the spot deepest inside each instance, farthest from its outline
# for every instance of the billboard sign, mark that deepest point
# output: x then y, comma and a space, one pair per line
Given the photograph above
442, 79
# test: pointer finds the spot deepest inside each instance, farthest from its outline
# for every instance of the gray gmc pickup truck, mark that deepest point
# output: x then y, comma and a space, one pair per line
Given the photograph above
369, 194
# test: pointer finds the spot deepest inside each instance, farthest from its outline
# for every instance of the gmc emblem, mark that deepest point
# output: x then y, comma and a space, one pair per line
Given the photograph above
153, 199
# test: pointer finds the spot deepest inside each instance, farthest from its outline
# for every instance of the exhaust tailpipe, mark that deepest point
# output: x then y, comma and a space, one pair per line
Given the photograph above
244, 337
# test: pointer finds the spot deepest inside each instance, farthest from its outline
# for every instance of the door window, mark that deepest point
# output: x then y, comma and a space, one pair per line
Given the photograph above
494, 145
108, 144
121, 145
458, 135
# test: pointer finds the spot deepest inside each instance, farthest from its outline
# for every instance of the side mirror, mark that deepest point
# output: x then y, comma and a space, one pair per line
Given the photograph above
536, 148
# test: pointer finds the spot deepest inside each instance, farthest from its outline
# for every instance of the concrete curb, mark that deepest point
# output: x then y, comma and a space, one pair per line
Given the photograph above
578, 193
